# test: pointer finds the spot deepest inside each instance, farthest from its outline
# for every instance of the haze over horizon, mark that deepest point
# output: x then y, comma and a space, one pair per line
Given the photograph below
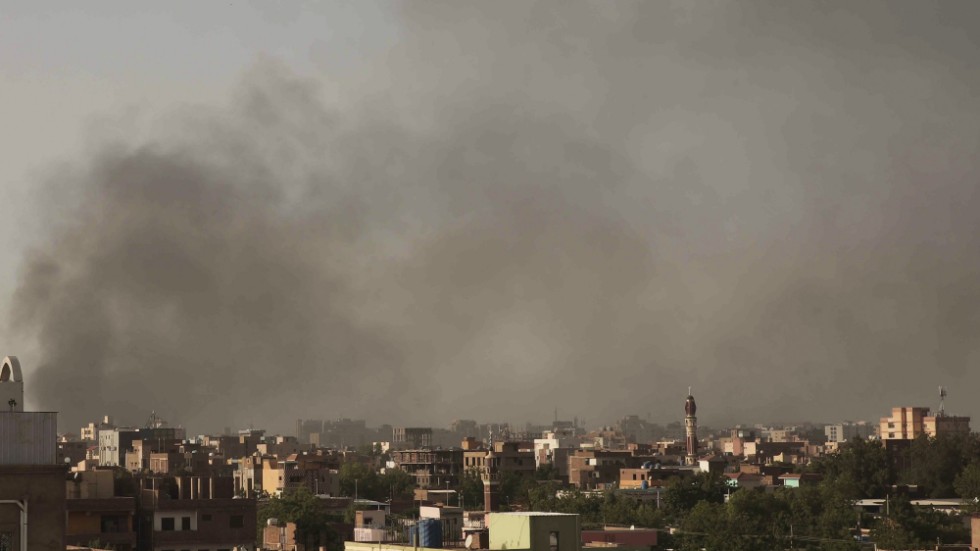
435, 210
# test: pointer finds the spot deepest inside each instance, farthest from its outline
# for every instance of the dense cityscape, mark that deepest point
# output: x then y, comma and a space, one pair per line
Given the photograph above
911, 480
490, 275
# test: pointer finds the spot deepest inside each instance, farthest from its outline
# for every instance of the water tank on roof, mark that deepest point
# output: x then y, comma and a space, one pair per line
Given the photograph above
644, 485
426, 533
647, 465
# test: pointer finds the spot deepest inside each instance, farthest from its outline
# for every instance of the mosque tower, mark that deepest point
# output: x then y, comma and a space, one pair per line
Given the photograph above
491, 480
691, 428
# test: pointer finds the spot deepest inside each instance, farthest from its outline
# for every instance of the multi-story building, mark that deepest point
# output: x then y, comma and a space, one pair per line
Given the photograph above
842, 432
96, 514
316, 473
638, 430
553, 448
308, 430
194, 513
409, 438
431, 468
908, 423
512, 457
113, 445
248, 476
32, 483
596, 469
90, 432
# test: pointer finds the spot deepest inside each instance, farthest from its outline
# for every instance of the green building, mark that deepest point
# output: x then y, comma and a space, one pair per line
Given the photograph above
535, 531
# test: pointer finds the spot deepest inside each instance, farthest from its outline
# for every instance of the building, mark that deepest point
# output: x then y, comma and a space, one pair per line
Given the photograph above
553, 448
512, 457
95, 513
113, 445
650, 475
630, 538
843, 432
308, 431
535, 531
529, 531
599, 469
194, 513
90, 432
316, 473
908, 423
32, 483
451, 519
411, 438
431, 468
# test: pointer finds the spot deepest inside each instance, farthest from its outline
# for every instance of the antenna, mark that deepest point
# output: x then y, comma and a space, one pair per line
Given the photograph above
689, 391
942, 401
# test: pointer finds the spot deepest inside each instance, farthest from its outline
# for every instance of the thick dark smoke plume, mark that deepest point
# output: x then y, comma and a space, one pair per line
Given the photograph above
530, 205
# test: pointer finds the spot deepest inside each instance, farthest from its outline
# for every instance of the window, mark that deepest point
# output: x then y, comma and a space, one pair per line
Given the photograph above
237, 521
167, 524
553, 541
185, 524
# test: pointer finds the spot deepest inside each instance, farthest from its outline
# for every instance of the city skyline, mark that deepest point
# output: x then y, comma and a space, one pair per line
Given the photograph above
400, 210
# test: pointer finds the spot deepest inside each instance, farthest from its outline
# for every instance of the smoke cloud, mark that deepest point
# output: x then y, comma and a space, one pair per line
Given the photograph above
524, 206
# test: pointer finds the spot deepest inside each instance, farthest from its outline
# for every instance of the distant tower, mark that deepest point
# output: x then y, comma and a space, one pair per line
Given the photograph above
491, 480
691, 428
11, 385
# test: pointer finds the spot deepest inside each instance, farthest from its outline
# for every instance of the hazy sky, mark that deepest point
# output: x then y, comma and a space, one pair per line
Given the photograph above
419, 211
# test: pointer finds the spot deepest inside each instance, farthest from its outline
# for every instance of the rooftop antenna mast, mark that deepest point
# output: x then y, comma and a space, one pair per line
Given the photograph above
942, 401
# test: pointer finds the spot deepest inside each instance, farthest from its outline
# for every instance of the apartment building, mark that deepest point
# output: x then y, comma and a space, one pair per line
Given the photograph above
908, 423
431, 468
194, 514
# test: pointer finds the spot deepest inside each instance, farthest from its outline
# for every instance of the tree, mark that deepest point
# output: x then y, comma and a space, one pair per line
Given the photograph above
398, 483
471, 490
684, 493
967, 485
362, 480
935, 463
546, 471
861, 469
304, 509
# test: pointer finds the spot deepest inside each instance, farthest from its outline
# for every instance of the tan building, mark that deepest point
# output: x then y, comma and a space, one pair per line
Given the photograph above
94, 513
314, 472
431, 468
908, 423
513, 457
905, 423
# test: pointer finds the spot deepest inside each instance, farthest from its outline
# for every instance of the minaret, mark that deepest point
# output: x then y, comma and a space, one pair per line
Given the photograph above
11, 385
491, 480
691, 428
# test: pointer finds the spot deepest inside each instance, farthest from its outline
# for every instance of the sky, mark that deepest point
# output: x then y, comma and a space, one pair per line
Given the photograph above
420, 211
